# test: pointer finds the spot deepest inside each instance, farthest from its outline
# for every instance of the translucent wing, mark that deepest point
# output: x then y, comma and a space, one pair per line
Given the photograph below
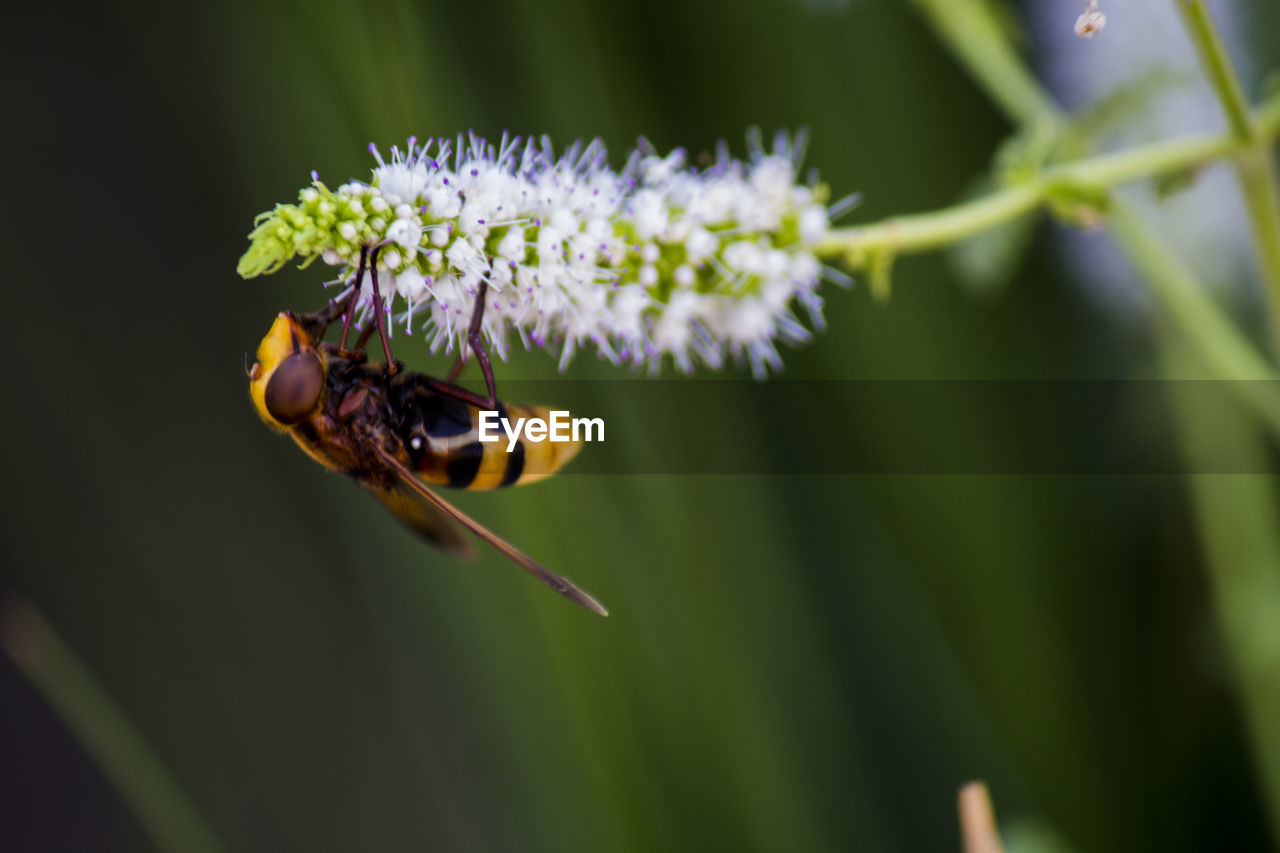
562, 585
424, 519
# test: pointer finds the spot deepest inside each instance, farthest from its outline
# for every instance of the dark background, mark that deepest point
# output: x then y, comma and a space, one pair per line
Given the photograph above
793, 661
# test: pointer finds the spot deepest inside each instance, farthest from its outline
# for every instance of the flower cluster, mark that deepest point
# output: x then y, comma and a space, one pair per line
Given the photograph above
653, 260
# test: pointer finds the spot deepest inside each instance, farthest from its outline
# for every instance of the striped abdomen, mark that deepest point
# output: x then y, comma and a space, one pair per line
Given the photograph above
442, 437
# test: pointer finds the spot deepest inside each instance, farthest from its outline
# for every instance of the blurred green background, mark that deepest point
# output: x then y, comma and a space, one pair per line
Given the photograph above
791, 663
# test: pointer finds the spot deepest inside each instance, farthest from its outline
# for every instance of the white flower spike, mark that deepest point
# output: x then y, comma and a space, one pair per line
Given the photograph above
652, 261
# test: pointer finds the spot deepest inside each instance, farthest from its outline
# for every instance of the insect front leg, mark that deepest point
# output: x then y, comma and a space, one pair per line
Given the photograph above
316, 323
392, 365
350, 306
368, 260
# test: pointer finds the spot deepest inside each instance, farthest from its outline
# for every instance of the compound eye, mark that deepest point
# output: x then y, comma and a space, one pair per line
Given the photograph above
294, 388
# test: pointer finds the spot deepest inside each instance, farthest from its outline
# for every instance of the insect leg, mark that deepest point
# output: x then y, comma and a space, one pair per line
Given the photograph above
365, 335
476, 341
381, 321
560, 584
351, 301
471, 398
456, 370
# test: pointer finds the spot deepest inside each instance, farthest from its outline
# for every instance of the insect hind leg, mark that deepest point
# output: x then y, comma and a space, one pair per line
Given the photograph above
475, 341
352, 300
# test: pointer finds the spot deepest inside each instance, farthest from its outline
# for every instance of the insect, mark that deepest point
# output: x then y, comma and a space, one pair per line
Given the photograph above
397, 433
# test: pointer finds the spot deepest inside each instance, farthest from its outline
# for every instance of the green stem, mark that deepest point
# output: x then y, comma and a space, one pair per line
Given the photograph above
1254, 165
1256, 171
1217, 65
136, 773
923, 232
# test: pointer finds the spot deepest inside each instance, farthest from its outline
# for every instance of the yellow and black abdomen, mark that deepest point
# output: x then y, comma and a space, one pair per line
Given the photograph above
442, 437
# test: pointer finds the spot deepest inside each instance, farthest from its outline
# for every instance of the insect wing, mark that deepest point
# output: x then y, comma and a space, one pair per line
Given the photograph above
562, 585
425, 520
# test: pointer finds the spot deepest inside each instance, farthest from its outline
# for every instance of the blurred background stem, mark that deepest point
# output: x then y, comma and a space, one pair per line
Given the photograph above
1221, 348
135, 771
1254, 164
1235, 514
1236, 523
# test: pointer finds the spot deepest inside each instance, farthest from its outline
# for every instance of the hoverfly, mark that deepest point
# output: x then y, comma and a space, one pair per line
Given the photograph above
395, 432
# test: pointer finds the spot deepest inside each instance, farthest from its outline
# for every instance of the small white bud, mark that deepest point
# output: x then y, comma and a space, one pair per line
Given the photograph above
1091, 22
405, 232
813, 223
511, 246
500, 276
700, 244
411, 284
